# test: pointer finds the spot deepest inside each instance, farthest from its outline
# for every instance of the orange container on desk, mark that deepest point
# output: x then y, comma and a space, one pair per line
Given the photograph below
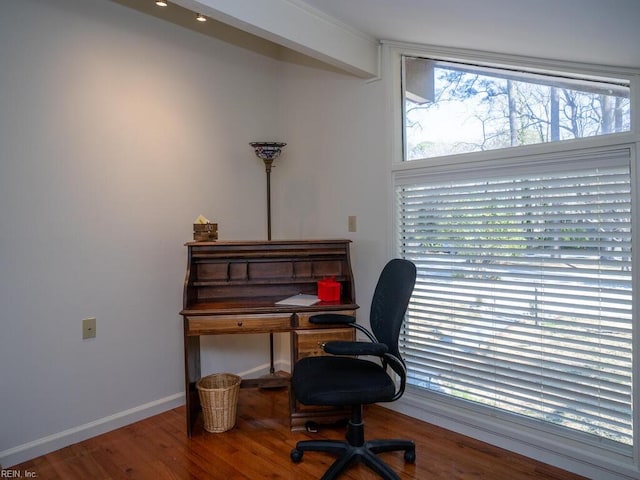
329, 290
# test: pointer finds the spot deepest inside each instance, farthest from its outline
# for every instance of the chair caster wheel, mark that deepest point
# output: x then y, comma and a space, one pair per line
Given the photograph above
296, 455
311, 427
410, 456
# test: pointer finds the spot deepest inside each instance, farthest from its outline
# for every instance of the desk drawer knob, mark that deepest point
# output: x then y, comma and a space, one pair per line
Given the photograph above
240, 323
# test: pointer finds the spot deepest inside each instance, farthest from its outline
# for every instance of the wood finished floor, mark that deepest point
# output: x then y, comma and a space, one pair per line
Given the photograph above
258, 448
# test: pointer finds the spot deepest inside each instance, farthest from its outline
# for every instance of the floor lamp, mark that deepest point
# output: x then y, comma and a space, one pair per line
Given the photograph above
268, 152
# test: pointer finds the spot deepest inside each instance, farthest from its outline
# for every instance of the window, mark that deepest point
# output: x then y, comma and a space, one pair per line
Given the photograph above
453, 108
523, 301
523, 306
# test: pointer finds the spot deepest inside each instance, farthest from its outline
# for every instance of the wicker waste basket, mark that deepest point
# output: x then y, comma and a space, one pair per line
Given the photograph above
219, 399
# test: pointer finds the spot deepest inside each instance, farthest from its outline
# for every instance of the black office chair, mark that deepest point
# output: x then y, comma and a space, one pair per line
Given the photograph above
347, 380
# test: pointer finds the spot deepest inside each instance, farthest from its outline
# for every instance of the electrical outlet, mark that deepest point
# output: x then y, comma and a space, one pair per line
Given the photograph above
352, 223
88, 328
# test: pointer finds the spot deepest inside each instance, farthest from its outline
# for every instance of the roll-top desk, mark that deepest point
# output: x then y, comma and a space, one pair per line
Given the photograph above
233, 287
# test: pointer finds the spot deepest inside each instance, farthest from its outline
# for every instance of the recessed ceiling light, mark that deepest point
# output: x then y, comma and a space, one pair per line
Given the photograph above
201, 18
161, 3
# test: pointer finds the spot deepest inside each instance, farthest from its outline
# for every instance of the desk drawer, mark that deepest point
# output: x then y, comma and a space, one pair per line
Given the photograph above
219, 324
308, 343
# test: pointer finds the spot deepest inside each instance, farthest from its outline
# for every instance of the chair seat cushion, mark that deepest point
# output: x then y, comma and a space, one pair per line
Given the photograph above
329, 380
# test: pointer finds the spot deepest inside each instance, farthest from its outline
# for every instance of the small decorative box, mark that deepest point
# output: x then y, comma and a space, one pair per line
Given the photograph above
205, 232
329, 290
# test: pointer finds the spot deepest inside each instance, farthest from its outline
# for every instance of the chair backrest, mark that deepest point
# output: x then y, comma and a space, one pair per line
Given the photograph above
390, 301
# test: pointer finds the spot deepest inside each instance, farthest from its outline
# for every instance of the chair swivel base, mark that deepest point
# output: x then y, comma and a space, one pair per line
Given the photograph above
348, 453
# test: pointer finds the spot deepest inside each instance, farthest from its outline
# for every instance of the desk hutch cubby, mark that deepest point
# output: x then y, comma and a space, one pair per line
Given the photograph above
233, 287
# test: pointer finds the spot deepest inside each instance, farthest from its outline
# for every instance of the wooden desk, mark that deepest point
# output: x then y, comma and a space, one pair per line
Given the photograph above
232, 287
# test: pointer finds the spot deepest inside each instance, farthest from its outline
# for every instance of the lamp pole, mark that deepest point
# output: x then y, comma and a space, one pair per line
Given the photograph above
268, 152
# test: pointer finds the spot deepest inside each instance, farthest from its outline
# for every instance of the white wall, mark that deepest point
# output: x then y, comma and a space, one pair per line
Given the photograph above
116, 130
336, 166
333, 166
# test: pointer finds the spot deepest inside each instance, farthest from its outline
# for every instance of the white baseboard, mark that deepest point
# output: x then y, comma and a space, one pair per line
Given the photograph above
56, 441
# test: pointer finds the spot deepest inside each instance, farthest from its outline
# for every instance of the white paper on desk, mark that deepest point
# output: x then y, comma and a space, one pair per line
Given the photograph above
300, 300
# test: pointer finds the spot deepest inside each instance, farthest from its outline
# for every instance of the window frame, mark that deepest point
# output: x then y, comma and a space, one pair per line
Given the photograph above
522, 436
520, 74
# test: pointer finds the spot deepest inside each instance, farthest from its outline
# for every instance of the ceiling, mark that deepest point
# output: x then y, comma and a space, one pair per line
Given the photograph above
345, 33
588, 31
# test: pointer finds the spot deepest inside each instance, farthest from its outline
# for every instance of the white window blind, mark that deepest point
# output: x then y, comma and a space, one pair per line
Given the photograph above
523, 301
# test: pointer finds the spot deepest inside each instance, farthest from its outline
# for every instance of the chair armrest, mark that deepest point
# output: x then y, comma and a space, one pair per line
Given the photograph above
338, 347
331, 318
340, 319
397, 366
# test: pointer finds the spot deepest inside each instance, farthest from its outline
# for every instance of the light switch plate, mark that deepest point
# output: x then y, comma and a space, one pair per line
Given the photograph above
352, 223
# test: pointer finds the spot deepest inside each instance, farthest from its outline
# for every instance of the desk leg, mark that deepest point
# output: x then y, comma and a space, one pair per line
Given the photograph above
191, 376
